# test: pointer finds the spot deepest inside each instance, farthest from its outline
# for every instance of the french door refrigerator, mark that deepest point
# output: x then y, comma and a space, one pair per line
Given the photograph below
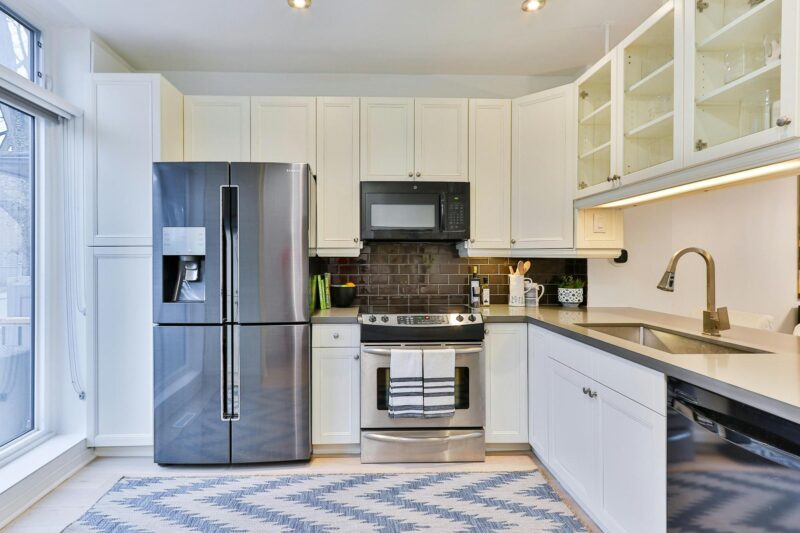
231, 312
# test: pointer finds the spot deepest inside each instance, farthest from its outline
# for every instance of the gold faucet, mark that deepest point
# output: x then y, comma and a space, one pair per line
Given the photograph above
714, 320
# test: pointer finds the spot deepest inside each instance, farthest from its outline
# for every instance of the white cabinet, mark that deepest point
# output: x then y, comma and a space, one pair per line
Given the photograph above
338, 188
538, 379
120, 338
133, 120
506, 383
574, 456
632, 447
543, 161
216, 128
283, 129
335, 386
490, 175
741, 76
440, 144
387, 139
403, 139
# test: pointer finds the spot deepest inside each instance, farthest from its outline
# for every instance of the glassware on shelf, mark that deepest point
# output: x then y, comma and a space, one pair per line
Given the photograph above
734, 65
772, 48
755, 113
754, 59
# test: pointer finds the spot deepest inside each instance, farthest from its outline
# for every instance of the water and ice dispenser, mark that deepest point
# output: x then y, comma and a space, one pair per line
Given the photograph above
183, 259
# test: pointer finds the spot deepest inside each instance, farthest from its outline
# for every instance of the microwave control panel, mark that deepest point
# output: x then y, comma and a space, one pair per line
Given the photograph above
456, 212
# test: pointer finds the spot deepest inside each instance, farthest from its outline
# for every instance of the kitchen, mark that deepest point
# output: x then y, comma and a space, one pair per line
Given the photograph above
257, 294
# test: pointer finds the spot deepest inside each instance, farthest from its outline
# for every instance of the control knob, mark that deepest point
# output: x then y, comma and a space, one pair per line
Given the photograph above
472, 318
372, 318
460, 318
384, 319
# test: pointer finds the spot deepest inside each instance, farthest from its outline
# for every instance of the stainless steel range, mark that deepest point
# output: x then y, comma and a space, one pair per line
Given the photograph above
457, 438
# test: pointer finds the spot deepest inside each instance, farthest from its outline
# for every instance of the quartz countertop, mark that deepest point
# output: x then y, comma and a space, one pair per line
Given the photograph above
336, 315
768, 381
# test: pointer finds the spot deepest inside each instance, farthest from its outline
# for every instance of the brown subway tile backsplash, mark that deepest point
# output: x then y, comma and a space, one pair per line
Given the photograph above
431, 277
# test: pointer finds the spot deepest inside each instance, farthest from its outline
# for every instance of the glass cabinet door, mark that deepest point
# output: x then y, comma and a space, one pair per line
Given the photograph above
649, 115
595, 128
738, 71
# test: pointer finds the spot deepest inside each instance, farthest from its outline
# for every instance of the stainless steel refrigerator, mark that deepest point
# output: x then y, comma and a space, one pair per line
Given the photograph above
231, 312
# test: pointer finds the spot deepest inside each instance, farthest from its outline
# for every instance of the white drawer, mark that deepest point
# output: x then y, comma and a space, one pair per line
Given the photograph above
568, 352
335, 335
641, 384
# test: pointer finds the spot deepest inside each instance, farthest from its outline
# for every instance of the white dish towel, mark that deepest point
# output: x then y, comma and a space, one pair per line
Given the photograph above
405, 384
439, 374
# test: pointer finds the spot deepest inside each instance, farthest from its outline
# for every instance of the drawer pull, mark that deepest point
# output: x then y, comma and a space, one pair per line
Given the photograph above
335, 335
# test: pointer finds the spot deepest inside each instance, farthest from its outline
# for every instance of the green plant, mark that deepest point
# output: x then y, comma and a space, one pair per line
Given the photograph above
571, 282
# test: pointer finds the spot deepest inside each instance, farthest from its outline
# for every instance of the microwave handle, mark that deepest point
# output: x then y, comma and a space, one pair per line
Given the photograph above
442, 200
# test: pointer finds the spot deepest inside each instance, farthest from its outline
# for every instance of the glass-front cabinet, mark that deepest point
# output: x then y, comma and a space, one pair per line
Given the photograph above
741, 75
650, 111
596, 127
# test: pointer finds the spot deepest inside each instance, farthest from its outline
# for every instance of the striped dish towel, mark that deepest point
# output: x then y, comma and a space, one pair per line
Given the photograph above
405, 384
439, 371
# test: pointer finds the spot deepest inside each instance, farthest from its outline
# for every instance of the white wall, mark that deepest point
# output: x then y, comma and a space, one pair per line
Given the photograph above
751, 231
264, 84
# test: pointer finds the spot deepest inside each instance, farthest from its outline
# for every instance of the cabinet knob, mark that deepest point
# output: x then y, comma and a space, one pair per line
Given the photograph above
410, 174
356, 357
472, 240
485, 331
592, 394
355, 239
335, 335
513, 241
586, 390
419, 174
783, 122
608, 179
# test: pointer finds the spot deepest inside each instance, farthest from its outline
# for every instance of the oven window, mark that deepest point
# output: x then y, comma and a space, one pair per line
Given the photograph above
461, 388
406, 216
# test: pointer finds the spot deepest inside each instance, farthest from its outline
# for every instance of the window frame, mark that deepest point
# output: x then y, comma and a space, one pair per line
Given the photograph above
36, 44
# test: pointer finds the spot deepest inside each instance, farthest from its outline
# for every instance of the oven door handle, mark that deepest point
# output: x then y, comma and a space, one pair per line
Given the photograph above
392, 438
387, 351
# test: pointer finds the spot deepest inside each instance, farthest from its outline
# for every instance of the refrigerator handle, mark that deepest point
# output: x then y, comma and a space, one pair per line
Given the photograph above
226, 397
234, 221
236, 376
225, 255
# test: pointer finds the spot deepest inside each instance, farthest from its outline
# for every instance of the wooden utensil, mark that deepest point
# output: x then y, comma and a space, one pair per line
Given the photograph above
526, 267
511, 270
519, 268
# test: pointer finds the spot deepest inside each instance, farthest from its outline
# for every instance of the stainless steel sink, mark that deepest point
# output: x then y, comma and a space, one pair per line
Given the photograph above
667, 340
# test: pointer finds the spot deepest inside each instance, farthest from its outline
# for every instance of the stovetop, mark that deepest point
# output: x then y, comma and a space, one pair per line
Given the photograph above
436, 327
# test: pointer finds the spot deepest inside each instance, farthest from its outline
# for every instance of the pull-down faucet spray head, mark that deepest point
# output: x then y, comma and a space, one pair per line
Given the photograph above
667, 282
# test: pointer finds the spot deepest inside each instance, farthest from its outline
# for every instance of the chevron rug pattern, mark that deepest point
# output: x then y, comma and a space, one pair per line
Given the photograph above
436, 502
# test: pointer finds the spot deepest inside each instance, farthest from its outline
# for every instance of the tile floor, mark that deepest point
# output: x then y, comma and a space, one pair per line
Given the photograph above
73, 497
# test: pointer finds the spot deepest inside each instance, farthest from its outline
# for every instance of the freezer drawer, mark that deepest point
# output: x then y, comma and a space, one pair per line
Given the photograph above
273, 363
187, 380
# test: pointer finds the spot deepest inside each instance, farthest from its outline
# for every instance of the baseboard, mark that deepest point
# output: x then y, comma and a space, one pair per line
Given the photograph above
33, 487
123, 451
507, 447
335, 449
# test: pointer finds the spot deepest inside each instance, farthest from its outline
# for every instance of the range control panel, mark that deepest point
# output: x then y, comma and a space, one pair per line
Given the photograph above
435, 320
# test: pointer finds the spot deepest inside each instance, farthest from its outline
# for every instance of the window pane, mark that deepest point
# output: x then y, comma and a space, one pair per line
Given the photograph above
16, 273
16, 45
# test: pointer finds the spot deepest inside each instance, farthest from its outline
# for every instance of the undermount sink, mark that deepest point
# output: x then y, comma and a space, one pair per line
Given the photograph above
669, 341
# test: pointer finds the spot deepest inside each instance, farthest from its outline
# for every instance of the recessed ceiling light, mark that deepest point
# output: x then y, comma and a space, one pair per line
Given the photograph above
299, 4
533, 5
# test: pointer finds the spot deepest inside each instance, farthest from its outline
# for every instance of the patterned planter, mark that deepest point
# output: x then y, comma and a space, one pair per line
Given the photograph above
570, 297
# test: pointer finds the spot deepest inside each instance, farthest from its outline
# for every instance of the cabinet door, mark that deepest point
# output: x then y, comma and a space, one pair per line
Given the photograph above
650, 96
338, 198
634, 458
596, 102
506, 383
283, 130
574, 452
216, 128
123, 119
121, 347
741, 76
387, 139
543, 170
538, 401
490, 174
335, 396
440, 144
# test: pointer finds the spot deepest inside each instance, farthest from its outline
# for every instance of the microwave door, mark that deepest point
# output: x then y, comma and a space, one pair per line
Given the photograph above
402, 215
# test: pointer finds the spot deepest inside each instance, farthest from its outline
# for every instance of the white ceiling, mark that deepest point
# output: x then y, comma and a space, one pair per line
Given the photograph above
360, 36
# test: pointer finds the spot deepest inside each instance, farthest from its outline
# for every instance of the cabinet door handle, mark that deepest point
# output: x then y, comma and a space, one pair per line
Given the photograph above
335, 335
513, 241
419, 174
586, 390
355, 239
592, 394
410, 174
783, 121
356, 357
472, 240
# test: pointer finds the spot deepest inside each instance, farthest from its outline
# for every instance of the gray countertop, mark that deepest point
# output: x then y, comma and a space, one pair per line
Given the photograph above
768, 381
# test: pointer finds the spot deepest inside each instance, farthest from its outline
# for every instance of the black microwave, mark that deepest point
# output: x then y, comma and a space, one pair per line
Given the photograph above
414, 211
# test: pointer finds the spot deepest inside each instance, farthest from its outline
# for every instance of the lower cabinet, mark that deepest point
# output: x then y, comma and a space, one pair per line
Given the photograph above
607, 449
120, 341
335, 387
506, 384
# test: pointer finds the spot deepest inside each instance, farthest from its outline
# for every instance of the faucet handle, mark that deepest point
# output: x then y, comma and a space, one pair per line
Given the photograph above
716, 321
723, 321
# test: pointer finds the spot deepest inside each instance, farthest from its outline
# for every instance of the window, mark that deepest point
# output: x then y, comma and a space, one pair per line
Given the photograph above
17, 262
18, 44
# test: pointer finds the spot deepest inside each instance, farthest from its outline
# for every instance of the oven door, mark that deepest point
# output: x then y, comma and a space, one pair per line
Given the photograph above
469, 387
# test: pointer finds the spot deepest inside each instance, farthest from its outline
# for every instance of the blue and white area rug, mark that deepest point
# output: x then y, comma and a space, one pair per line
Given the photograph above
435, 502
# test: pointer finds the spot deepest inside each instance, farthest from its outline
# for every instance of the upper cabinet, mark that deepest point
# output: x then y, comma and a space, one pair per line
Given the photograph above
741, 75
133, 120
403, 139
543, 159
338, 187
597, 125
440, 144
216, 128
650, 93
283, 129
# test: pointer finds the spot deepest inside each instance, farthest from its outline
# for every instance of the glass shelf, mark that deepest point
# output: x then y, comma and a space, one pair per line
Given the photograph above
744, 30
594, 128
